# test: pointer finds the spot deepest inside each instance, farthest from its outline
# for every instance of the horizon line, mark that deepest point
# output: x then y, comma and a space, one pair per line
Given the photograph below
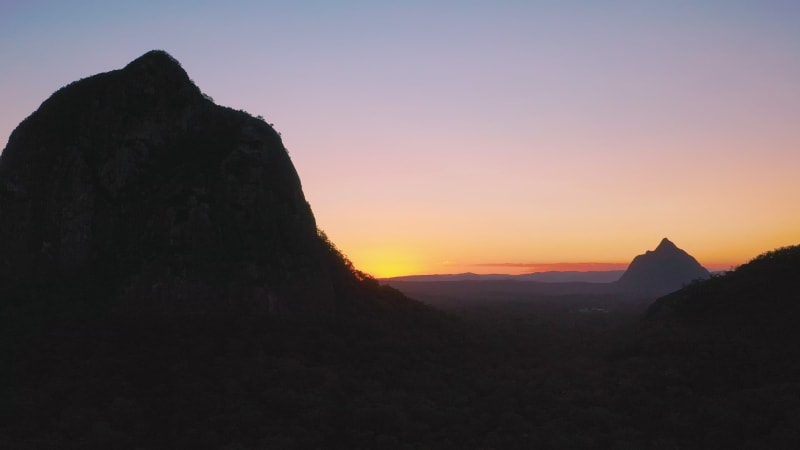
591, 266
529, 267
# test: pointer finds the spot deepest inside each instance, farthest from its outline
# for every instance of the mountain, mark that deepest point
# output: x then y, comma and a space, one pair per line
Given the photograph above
721, 357
131, 188
663, 270
750, 313
758, 297
161, 270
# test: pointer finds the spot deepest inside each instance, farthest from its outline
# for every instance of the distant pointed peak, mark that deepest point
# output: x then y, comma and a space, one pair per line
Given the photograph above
666, 244
662, 270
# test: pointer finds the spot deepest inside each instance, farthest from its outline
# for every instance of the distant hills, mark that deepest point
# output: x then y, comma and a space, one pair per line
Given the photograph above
654, 273
606, 276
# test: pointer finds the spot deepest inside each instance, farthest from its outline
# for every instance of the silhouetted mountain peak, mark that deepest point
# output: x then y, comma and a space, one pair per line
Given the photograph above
663, 270
155, 58
131, 188
157, 71
666, 245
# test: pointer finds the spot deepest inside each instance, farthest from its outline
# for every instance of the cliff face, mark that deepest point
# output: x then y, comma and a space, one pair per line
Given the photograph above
663, 270
133, 187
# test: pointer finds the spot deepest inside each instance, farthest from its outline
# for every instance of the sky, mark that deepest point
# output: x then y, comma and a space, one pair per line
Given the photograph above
480, 136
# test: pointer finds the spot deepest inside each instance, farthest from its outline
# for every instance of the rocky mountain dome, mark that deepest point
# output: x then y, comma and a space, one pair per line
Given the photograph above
132, 187
663, 270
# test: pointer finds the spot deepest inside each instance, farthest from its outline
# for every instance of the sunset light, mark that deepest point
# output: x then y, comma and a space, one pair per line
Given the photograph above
385, 262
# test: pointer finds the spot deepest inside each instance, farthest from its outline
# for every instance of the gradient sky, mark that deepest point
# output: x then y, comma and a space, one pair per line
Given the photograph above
493, 136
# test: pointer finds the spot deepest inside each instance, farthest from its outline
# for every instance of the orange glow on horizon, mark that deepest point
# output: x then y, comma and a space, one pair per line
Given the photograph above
393, 259
388, 268
387, 262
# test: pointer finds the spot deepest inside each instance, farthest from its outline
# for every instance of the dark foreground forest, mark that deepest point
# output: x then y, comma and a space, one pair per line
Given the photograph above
692, 372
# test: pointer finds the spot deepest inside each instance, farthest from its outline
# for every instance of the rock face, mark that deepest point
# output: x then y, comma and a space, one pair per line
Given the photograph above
663, 270
133, 187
